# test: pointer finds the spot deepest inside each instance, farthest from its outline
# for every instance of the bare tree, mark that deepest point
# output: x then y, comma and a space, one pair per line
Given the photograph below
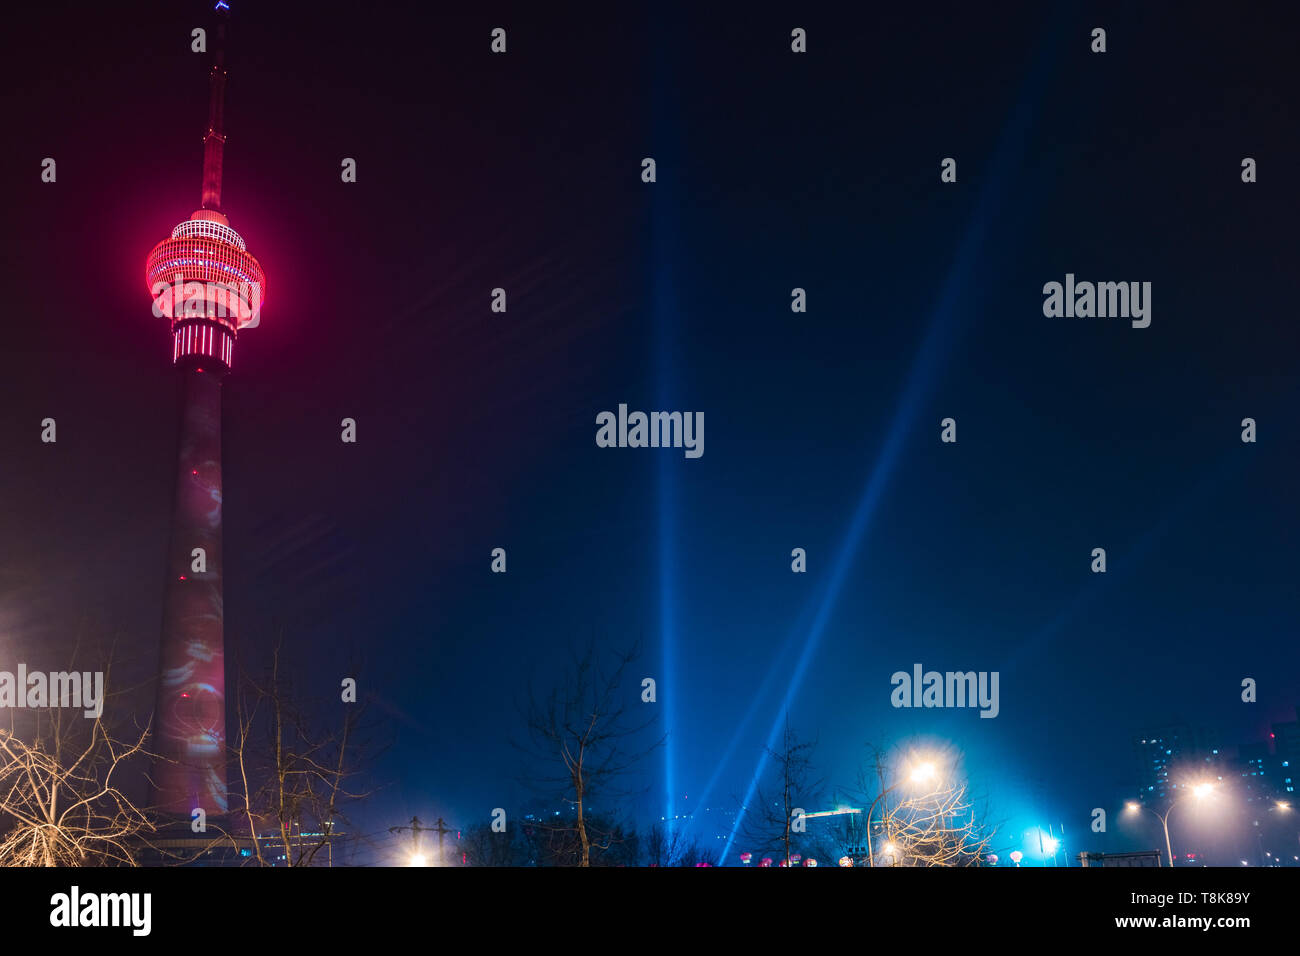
485, 847
874, 790
775, 821
293, 777
937, 828
917, 811
582, 742
60, 802
670, 847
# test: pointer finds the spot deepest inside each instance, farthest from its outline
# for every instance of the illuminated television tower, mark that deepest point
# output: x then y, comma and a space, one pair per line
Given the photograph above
205, 283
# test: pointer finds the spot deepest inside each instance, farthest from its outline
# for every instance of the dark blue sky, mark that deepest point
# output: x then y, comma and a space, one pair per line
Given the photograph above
476, 430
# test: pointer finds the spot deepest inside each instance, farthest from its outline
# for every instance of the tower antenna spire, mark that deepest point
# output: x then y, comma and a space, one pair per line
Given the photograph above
214, 141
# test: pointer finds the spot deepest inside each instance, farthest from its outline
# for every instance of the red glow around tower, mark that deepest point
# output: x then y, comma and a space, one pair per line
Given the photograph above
202, 277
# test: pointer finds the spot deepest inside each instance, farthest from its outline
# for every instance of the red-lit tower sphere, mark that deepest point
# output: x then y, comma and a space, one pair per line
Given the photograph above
205, 283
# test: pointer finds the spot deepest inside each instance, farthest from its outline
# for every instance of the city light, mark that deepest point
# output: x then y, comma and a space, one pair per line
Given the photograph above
923, 773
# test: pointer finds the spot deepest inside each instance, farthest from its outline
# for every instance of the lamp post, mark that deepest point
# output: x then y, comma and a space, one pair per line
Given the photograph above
1200, 792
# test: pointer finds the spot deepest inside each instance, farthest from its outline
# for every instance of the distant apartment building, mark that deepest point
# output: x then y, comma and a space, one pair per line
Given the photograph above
1266, 768
1259, 772
1286, 750
1170, 757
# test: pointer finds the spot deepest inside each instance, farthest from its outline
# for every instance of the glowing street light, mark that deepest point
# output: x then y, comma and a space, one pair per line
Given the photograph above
417, 859
1200, 791
923, 773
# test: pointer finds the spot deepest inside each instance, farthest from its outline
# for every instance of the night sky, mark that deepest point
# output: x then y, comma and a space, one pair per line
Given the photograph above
476, 429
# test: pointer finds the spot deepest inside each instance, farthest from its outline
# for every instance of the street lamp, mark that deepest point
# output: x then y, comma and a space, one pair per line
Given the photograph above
1200, 791
417, 859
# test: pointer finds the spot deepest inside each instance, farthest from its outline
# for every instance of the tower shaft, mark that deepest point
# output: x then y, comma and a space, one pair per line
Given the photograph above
189, 736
